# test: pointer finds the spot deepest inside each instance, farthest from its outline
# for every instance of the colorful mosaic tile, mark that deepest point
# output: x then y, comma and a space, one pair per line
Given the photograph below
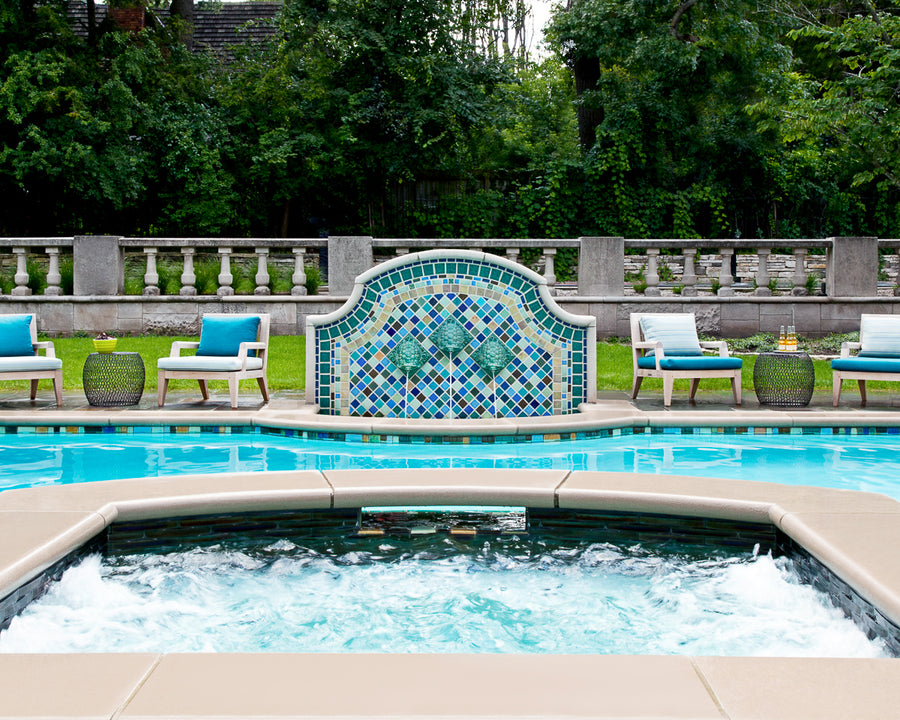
450, 307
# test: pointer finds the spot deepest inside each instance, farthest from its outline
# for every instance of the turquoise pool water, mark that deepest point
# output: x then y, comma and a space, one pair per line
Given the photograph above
440, 595
853, 462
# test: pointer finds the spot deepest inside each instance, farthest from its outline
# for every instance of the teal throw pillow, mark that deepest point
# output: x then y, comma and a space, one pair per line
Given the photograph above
222, 336
15, 336
677, 333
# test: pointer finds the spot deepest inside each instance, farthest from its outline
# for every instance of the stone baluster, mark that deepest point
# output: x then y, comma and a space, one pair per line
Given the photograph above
726, 279
550, 269
262, 272
799, 278
21, 276
762, 272
188, 278
513, 254
401, 251
299, 276
54, 278
151, 276
689, 275
225, 277
897, 285
651, 274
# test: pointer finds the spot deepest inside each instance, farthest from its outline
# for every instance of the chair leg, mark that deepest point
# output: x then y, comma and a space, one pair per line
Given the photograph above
695, 382
204, 389
263, 388
162, 385
736, 389
34, 384
233, 384
57, 387
862, 391
668, 386
836, 383
638, 379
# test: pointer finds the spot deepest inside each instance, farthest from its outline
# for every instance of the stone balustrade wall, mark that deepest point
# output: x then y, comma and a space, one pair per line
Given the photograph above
726, 282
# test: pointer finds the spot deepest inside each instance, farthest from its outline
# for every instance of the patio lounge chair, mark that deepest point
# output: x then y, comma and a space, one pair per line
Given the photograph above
665, 345
20, 357
877, 356
232, 347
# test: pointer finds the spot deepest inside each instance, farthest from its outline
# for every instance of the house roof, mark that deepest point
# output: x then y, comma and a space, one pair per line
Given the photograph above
217, 26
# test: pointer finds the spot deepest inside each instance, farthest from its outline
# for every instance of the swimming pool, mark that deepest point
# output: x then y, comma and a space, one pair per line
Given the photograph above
825, 458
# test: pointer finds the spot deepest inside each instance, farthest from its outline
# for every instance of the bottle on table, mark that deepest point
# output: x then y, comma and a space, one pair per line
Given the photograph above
782, 340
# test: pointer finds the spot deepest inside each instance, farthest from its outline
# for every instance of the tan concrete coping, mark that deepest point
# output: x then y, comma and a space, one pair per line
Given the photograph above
30, 542
207, 686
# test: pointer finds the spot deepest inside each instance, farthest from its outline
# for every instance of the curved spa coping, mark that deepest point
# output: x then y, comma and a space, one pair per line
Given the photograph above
854, 534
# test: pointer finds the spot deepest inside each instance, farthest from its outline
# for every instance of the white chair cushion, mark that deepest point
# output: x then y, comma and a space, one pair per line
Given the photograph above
677, 333
29, 363
207, 363
879, 336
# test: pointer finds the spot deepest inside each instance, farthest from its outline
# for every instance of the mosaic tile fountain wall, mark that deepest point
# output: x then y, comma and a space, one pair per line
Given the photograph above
450, 334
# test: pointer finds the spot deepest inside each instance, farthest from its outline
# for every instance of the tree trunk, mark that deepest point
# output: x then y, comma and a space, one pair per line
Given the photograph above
587, 75
184, 11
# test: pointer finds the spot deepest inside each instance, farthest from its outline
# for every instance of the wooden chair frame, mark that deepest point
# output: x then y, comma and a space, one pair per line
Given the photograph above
261, 346
36, 375
640, 347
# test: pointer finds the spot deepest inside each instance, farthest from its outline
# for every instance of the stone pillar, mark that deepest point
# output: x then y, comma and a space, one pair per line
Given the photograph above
726, 279
54, 278
99, 265
513, 254
151, 276
188, 278
21, 276
651, 275
852, 267
689, 275
601, 266
762, 272
348, 256
262, 272
800, 272
299, 276
225, 277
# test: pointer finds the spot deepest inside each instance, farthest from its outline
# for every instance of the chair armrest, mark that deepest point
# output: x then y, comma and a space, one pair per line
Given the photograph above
244, 349
46, 346
180, 345
846, 347
654, 345
720, 345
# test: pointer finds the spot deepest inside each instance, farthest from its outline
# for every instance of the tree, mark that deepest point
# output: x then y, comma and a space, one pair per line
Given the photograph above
394, 90
664, 90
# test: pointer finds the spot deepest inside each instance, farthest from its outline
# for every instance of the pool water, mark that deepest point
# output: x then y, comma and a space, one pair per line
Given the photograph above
852, 462
437, 594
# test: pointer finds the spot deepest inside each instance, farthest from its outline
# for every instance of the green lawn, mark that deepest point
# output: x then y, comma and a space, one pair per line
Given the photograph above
287, 365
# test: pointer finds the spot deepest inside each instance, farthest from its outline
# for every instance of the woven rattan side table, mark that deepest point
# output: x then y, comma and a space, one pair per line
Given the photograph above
784, 378
112, 379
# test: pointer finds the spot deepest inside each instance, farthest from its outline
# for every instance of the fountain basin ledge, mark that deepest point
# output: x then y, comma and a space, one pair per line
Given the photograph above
39, 527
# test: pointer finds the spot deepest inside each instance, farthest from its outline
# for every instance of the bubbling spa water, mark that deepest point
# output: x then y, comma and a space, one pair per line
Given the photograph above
437, 594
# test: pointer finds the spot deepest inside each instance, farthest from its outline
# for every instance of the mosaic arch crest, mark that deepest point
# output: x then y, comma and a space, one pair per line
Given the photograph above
351, 371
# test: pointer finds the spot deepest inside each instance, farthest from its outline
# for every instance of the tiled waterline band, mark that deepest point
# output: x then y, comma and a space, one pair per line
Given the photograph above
496, 439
